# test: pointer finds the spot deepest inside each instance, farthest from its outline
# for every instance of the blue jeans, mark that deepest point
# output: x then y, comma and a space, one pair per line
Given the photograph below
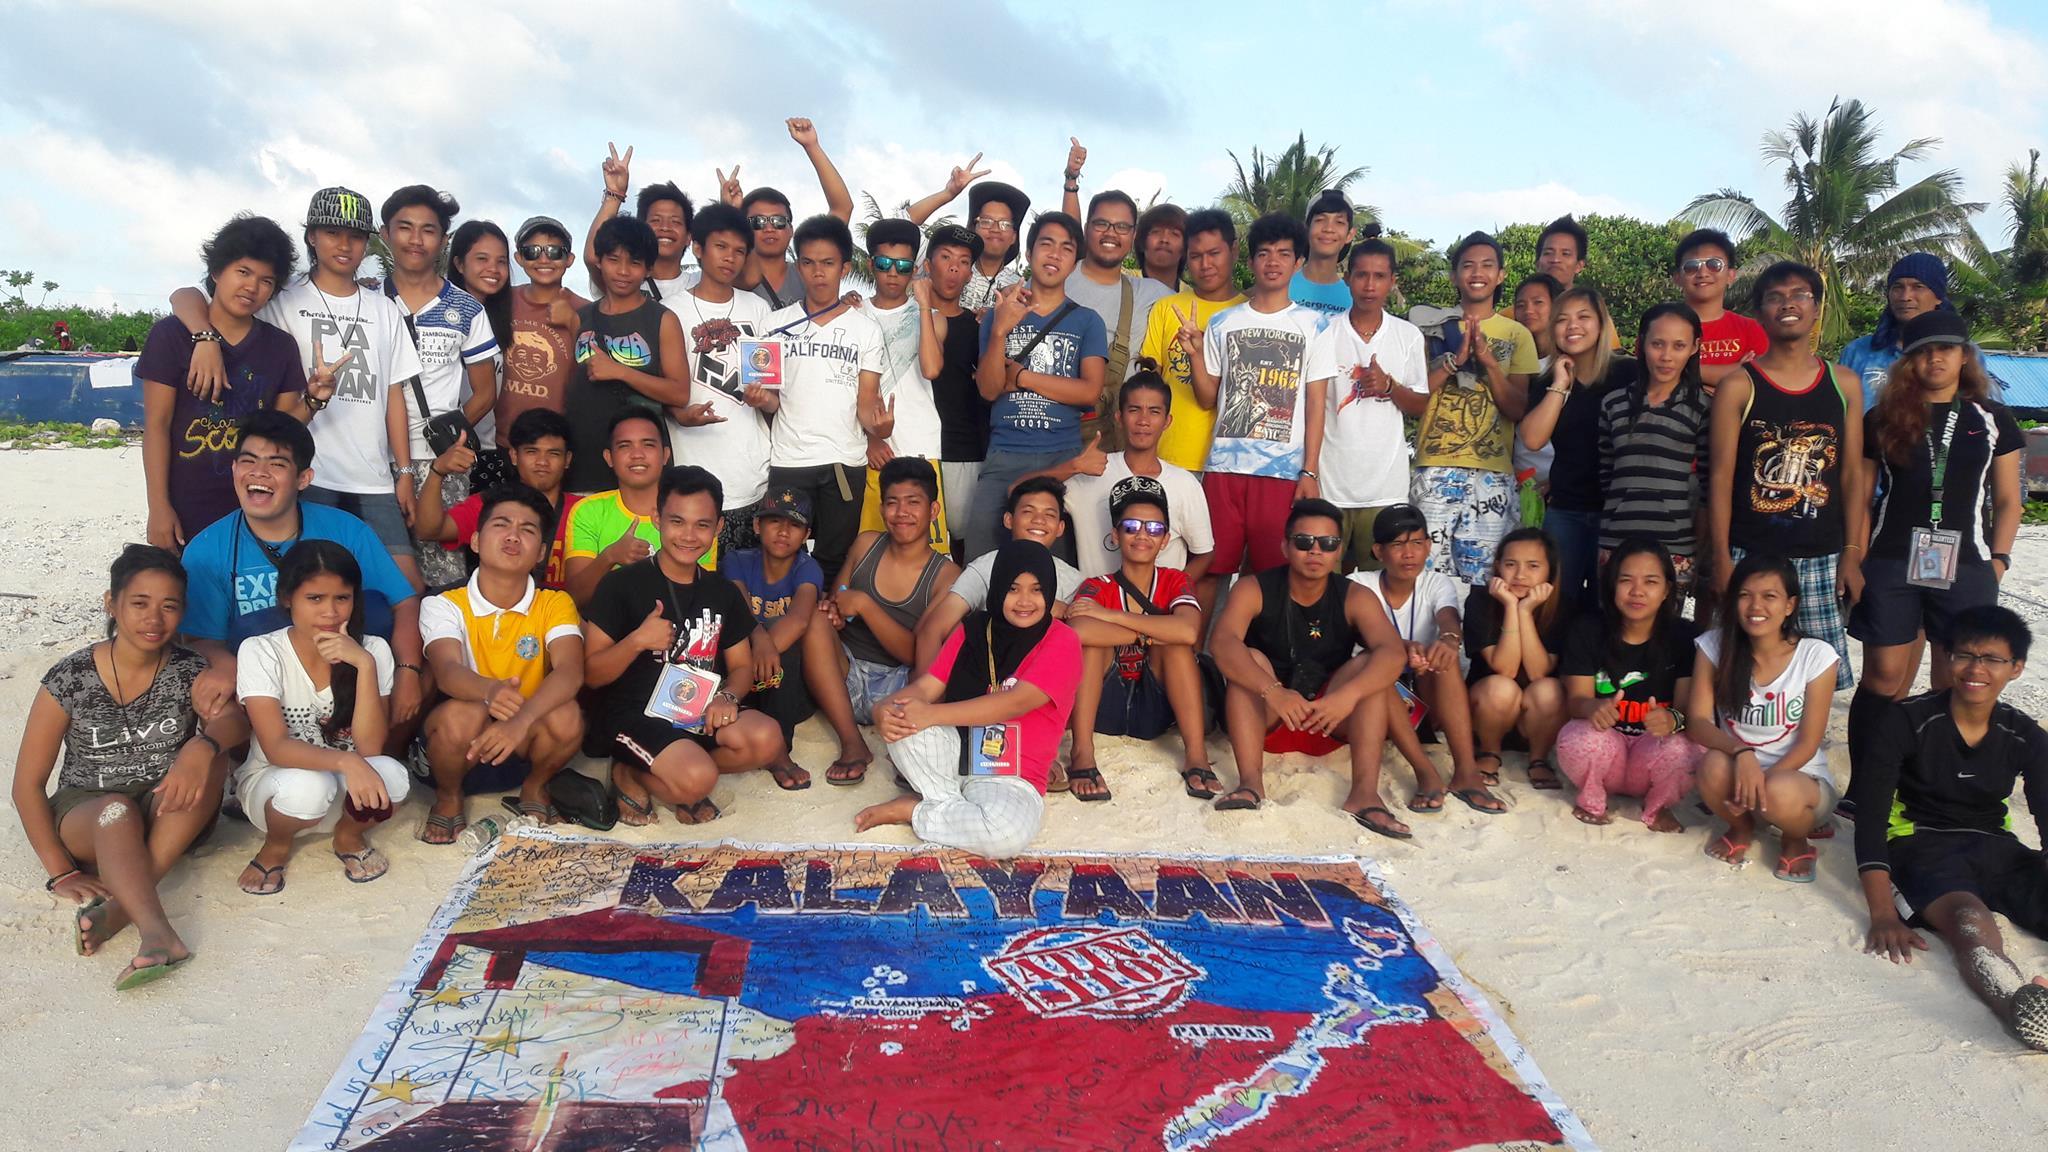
1578, 555
985, 531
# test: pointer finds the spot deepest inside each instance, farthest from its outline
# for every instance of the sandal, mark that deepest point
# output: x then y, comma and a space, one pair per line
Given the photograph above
789, 776
162, 966
1475, 799
635, 813
90, 916
270, 880
1230, 803
694, 813
364, 866
1364, 816
847, 773
538, 813
1429, 802
1786, 863
440, 829
1093, 778
1490, 779
1549, 781
1057, 780
1201, 783
1733, 854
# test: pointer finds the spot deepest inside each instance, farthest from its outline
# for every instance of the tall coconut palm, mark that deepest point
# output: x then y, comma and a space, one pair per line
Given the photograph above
1288, 183
2004, 293
1845, 213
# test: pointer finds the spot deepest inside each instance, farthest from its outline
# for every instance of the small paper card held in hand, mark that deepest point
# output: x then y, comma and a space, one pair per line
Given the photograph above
994, 750
682, 695
760, 363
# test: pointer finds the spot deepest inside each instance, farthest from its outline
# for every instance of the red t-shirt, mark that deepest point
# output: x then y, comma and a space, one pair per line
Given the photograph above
467, 514
1053, 667
1170, 589
1730, 337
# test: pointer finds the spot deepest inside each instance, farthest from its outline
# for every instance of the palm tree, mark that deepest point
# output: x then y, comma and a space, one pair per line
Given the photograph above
1288, 183
2005, 293
1845, 213
860, 265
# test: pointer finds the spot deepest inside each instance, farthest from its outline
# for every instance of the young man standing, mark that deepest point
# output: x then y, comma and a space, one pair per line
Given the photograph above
1139, 629
1948, 845
773, 273
725, 427
1917, 283
1787, 444
996, 211
1264, 368
543, 352
1478, 388
1319, 284
906, 386
540, 458
784, 585
509, 658
829, 416
1211, 256
612, 529
859, 649
1123, 302
456, 347
1704, 270
666, 211
1162, 243
669, 611
629, 352
949, 354
1561, 250
1043, 359
1381, 378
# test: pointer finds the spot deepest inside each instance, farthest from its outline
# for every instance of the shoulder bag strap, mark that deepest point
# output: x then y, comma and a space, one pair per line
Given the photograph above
1119, 340
1024, 357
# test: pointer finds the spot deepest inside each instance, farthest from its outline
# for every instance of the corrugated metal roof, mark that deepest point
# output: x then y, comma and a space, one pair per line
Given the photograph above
2025, 378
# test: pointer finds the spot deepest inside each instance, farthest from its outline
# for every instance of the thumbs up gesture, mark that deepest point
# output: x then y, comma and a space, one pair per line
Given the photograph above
459, 457
1092, 460
630, 548
654, 633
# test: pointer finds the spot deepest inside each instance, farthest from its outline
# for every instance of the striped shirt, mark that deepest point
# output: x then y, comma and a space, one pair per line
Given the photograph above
1650, 462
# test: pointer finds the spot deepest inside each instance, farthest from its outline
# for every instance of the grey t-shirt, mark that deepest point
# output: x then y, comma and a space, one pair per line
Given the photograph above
972, 583
1107, 301
110, 746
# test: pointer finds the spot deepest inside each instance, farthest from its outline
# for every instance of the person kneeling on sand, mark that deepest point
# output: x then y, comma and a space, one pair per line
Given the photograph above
509, 656
976, 734
140, 783
1284, 642
1948, 846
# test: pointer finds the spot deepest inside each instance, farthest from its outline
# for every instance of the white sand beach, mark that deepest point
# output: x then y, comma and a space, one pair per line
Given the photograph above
1674, 1003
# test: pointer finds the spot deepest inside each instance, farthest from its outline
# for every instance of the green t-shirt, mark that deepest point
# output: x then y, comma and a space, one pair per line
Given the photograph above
602, 519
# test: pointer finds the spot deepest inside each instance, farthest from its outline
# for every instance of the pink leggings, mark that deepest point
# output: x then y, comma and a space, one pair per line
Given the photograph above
1657, 768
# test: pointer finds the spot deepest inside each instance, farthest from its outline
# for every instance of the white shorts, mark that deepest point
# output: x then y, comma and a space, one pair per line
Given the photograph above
303, 794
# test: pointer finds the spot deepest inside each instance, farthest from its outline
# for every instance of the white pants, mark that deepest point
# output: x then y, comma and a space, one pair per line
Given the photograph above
990, 815
957, 479
303, 794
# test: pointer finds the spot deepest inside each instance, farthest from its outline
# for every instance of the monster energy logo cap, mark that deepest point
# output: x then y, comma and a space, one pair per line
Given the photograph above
339, 208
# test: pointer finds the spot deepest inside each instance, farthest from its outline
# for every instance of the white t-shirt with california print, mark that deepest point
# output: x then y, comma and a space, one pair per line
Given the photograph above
454, 333
1365, 454
917, 416
736, 450
821, 366
1263, 363
1096, 551
1768, 721
352, 449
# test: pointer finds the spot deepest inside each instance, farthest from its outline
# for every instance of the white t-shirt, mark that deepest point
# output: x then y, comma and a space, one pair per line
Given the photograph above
1263, 363
972, 583
917, 417
352, 449
735, 451
680, 284
1095, 543
454, 333
1108, 301
821, 366
1769, 720
267, 666
1415, 619
1365, 454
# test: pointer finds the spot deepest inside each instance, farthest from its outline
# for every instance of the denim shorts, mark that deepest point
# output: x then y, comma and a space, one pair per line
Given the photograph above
868, 684
377, 509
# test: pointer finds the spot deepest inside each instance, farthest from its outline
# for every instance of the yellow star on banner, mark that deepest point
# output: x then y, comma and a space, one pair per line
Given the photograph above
504, 1042
400, 1090
450, 995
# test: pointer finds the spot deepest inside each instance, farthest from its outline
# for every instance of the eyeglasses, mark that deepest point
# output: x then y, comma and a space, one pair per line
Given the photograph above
1711, 264
1780, 299
544, 252
776, 221
1965, 659
1114, 227
995, 225
1303, 542
893, 263
1148, 527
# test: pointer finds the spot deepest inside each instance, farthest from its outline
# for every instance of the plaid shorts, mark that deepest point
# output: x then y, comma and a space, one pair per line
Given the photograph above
1820, 613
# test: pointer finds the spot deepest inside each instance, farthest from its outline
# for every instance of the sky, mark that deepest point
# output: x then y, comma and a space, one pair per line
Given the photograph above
132, 130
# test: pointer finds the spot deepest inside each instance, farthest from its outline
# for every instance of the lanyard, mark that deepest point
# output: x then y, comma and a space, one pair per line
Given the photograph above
988, 637
1938, 461
805, 319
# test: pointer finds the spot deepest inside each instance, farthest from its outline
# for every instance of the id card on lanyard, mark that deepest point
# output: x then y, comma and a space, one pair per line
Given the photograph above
993, 749
1932, 552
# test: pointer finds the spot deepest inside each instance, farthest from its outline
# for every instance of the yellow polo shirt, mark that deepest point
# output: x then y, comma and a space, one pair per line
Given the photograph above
501, 643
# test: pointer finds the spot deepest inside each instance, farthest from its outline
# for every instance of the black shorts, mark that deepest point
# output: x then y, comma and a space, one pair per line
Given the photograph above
1892, 611
639, 738
1134, 708
2009, 877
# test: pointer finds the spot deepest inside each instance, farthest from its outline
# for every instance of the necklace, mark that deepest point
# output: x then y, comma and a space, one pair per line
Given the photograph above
114, 666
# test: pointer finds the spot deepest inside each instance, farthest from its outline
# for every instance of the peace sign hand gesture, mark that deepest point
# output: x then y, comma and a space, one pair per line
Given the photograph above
320, 385
618, 170
1189, 336
729, 186
963, 175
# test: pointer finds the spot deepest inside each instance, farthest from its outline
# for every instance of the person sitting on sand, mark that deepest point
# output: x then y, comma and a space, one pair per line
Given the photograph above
976, 734
316, 693
661, 633
1948, 846
782, 584
1625, 669
1768, 689
509, 657
1514, 628
1284, 643
539, 440
1031, 513
139, 782
1139, 628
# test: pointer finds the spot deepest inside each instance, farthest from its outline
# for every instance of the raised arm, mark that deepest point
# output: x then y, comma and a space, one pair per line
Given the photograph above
956, 183
617, 179
838, 201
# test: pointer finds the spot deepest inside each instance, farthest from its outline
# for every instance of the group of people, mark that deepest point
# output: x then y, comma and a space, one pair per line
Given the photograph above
1043, 475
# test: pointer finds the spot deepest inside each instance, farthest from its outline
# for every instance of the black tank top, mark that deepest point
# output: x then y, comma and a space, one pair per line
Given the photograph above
634, 340
1788, 496
1292, 635
859, 638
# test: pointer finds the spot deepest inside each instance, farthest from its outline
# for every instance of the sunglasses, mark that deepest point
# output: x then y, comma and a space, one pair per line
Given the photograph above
902, 264
1711, 264
544, 252
1148, 527
776, 221
1303, 542
994, 224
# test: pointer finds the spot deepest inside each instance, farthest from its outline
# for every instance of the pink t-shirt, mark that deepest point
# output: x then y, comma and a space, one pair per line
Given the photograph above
1054, 667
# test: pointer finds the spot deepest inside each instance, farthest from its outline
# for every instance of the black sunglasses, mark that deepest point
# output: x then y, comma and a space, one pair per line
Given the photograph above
776, 221
1303, 542
544, 252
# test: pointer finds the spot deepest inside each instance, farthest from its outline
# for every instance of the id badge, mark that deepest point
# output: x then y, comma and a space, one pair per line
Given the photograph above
1931, 557
1416, 708
682, 695
994, 750
760, 363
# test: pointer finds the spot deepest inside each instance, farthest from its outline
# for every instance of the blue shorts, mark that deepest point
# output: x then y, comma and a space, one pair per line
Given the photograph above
869, 683
377, 509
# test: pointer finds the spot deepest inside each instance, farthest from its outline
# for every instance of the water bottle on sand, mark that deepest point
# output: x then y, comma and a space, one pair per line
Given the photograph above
484, 831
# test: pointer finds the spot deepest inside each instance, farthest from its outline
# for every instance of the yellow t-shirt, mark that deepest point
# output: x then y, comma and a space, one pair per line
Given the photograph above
502, 643
1462, 427
601, 519
1185, 443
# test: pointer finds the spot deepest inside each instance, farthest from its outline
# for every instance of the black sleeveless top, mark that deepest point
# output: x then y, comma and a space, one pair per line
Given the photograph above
1291, 635
634, 340
1788, 496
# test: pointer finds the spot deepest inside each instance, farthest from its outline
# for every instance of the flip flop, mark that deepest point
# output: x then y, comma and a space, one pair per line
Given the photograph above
1364, 818
364, 866
538, 813
1228, 803
1550, 782
136, 977
1585, 817
438, 829
2030, 1016
1786, 863
1471, 798
1491, 779
694, 813
1205, 777
1429, 803
784, 774
264, 887
636, 813
87, 920
847, 773
1092, 776
1057, 781
1736, 856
